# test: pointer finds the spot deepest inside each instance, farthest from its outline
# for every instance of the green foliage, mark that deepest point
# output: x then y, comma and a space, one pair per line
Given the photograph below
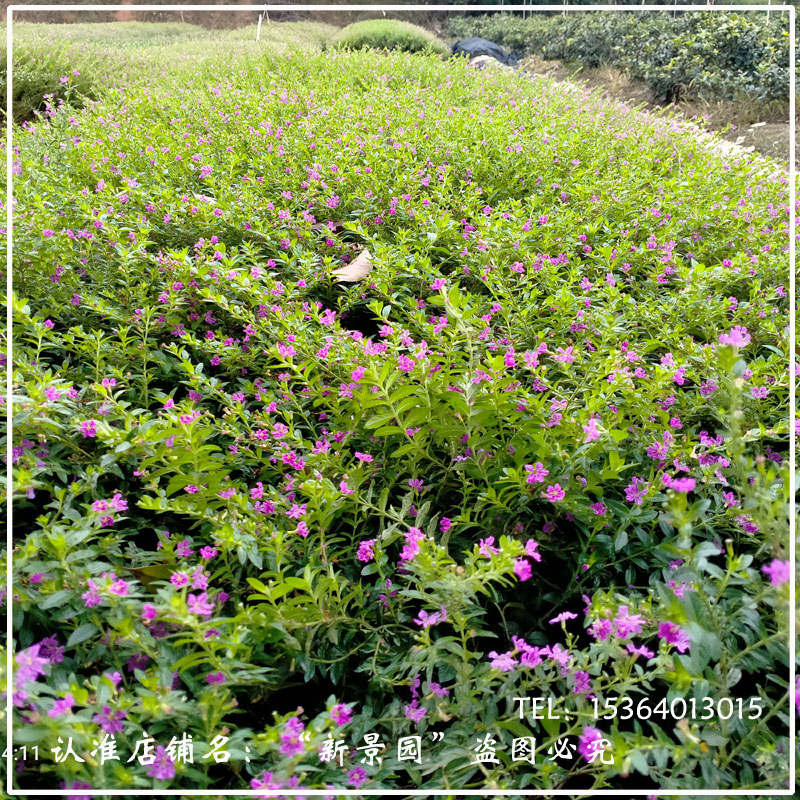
708, 54
388, 34
241, 488
43, 77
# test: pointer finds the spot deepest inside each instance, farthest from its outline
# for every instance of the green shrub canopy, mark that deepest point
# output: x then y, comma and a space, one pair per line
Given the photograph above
388, 34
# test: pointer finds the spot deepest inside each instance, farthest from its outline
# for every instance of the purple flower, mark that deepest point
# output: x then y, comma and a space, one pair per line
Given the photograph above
590, 429
639, 651
365, 550
531, 548
425, 620
110, 721
554, 493
178, 579
291, 743
29, 664
215, 677
628, 624
522, 568
413, 712
672, 634
49, 649
738, 337
183, 548
636, 490
536, 473
601, 629
119, 588
138, 661
341, 714
89, 429
502, 661
563, 617
683, 485
778, 571
356, 777
62, 706
198, 604
486, 547
114, 677
598, 508
163, 768
582, 682
588, 743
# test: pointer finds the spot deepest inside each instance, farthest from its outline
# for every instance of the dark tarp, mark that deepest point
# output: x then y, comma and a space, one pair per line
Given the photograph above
483, 47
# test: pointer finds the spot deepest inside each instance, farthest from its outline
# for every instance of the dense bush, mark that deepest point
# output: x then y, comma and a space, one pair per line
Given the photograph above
44, 74
388, 34
711, 54
539, 450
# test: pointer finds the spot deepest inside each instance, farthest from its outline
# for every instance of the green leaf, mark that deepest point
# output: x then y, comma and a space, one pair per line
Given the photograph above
82, 633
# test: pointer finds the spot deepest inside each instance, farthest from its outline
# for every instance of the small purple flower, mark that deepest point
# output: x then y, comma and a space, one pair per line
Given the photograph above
502, 661
138, 661
564, 616
198, 604
215, 677
357, 777
601, 629
639, 651
366, 552
89, 428
672, 634
110, 721
779, 571
536, 473
413, 712
628, 624
531, 549
738, 337
163, 768
583, 683
588, 743
183, 548
522, 568
62, 706
341, 714
486, 547
29, 664
554, 493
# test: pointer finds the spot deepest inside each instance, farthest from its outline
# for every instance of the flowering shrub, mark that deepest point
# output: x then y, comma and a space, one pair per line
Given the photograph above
522, 458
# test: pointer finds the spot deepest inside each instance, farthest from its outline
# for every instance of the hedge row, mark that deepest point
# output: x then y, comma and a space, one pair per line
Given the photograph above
709, 54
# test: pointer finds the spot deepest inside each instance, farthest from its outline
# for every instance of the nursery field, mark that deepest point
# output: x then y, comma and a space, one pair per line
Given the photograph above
380, 423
